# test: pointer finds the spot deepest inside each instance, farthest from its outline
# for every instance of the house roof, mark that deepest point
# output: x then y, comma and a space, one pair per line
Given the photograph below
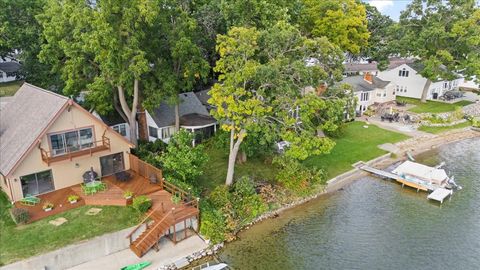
373, 66
195, 119
23, 120
26, 118
111, 119
422, 171
164, 115
9, 67
203, 96
359, 84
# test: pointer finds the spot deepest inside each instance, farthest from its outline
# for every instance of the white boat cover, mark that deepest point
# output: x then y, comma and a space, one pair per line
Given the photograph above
436, 176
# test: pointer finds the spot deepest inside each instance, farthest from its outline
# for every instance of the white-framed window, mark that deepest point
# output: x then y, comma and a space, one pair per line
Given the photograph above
166, 132
403, 72
152, 132
364, 96
71, 141
121, 128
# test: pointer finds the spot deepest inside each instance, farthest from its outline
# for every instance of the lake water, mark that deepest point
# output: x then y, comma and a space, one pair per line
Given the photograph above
375, 224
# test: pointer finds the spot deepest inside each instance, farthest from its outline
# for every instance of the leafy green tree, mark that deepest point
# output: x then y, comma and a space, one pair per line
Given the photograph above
100, 47
182, 160
444, 35
19, 30
262, 75
380, 28
343, 22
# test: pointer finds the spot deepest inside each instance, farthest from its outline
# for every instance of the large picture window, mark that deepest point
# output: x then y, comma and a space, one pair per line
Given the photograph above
71, 141
37, 183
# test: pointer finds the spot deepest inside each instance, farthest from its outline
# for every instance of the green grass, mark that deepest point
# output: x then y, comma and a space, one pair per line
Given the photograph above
432, 106
436, 130
356, 143
215, 170
9, 88
19, 242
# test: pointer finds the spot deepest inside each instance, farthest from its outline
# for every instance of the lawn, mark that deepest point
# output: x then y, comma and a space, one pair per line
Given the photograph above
436, 130
356, 143
215, 170
9, 88
19, 242
432, 106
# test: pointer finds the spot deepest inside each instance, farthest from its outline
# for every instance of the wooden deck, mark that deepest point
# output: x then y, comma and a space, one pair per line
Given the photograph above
58, 198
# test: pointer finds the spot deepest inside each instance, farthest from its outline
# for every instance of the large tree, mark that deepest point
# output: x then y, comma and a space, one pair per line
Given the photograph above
262, 75
444, 35
100, 46
343, 22
19, 30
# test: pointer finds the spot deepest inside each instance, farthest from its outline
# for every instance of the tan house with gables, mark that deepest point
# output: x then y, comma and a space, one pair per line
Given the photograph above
48, 142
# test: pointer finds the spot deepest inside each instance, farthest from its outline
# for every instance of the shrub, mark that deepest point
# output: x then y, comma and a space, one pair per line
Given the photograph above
182, 160
142, 203
213, 223
20, 215
128, 194
457, 114
176, 199
296, 177
47, 205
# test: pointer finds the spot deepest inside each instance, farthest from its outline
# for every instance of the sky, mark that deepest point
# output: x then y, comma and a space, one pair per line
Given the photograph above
391, 8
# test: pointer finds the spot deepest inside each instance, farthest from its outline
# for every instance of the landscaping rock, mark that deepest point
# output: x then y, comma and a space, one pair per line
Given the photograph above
57, 222
93, 211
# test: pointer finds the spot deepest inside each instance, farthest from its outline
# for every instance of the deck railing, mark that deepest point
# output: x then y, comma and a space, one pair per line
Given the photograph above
96, 146
144, 169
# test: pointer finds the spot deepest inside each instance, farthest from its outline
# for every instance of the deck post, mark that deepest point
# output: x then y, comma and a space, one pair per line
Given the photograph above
185, 227
174, 234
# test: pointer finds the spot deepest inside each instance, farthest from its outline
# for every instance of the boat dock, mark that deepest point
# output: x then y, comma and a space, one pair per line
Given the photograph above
440, 194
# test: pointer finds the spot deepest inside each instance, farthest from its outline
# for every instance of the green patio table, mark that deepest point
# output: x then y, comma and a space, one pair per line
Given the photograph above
94, 185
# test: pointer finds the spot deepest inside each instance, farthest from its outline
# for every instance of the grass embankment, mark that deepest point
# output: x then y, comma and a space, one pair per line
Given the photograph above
19, 242
436, 130
356, 143
9, 88
432, 106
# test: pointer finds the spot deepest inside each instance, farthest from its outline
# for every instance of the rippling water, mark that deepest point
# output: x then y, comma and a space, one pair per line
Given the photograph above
375, 224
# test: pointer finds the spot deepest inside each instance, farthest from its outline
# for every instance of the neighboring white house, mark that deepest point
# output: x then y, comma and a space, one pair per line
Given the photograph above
408, 83
116, 122
194, 117
370, 90
470, 84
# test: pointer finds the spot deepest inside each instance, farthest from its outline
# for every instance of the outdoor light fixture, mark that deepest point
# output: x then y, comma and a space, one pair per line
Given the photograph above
77, 165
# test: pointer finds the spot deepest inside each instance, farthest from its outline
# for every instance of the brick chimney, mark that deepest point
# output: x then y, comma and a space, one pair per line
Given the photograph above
368, 77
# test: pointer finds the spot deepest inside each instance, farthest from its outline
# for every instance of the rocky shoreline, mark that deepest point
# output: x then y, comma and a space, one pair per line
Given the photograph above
415, 146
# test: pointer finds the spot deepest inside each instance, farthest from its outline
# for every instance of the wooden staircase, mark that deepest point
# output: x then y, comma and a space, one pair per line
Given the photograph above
150, 237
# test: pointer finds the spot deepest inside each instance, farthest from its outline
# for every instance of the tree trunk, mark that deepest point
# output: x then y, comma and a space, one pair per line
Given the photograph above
241, 157
425, 91
142, 123
130, 113
232, 156
177, 117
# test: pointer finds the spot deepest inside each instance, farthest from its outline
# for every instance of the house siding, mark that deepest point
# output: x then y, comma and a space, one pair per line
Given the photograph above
66, 173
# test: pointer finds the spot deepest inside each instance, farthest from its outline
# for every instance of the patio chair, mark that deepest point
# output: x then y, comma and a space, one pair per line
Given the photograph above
123, 176
30, 200
153, 179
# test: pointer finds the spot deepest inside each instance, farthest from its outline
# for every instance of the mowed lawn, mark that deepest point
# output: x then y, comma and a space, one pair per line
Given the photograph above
432, 106
436, 130
10, 88
215, 170
357, 143
19, 242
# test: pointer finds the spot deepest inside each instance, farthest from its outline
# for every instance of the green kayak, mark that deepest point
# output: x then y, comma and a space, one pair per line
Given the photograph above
138, 266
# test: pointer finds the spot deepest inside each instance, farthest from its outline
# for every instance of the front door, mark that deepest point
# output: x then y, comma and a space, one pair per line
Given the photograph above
112, 164
37, 183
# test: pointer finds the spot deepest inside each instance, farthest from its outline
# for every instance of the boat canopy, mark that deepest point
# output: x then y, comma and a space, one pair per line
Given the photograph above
436, 176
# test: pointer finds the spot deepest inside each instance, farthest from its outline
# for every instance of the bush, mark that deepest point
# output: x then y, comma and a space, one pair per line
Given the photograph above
20, 215
297, 177
213, 223
142, 203
182, 160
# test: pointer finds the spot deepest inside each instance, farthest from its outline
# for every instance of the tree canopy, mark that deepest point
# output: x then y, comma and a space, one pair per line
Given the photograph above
262, 76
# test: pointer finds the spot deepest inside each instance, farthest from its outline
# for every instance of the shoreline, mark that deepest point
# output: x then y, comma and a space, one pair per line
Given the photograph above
414, 145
